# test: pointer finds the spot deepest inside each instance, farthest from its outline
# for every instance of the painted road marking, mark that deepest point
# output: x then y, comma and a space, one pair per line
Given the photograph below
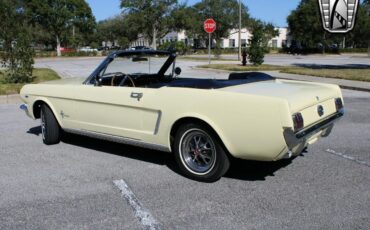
348, 157
146, 219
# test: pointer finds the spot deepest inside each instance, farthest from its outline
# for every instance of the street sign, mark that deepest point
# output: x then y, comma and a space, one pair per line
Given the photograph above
210, 25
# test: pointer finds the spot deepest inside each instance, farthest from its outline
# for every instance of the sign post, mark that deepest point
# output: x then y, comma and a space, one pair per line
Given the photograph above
209, 27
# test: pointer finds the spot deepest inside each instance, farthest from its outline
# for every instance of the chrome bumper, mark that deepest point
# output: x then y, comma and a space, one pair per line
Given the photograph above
298, 141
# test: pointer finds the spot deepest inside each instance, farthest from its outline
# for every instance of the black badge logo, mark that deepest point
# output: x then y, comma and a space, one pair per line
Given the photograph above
338, 16
320, 110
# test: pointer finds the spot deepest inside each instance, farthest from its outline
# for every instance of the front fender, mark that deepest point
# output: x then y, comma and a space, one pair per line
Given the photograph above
37, 101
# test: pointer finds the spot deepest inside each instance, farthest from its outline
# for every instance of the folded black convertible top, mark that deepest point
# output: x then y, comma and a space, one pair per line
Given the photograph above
234, 79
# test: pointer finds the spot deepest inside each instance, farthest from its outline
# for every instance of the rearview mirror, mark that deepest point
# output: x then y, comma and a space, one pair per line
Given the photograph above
139, 59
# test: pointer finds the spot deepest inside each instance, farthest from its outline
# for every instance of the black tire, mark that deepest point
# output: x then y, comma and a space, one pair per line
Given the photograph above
199, 153
49, 126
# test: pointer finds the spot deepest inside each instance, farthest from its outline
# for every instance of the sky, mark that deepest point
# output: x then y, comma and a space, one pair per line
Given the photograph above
275, 11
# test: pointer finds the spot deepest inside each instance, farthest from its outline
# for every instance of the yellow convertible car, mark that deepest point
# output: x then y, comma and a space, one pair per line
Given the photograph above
138, 98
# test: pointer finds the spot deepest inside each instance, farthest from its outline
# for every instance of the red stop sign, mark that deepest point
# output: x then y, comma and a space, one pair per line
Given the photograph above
210, 25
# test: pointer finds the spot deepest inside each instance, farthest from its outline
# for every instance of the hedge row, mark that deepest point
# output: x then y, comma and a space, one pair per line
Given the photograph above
204, 51
67, 54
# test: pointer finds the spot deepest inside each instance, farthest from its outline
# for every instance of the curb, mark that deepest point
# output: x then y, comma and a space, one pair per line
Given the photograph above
341, 86
10, 99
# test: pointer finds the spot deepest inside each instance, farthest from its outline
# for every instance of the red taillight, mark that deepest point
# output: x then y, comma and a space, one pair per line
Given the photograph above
339, 104
298, 121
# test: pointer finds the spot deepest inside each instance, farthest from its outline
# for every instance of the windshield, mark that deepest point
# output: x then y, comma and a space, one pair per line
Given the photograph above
136, 65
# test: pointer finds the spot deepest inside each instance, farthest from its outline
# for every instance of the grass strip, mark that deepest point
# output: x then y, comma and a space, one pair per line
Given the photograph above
40, 75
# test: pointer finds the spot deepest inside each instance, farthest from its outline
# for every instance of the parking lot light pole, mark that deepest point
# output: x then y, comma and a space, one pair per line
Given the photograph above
240, 29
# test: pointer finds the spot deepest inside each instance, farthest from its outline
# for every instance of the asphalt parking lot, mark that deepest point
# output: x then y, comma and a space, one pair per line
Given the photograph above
71, 185
80, 183
83, 67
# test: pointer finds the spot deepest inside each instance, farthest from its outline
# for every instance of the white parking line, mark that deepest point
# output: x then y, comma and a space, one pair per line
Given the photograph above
146, 219
348, 157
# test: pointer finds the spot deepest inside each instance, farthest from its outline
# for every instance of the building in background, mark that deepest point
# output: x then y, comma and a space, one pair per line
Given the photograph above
232, 41
283, 40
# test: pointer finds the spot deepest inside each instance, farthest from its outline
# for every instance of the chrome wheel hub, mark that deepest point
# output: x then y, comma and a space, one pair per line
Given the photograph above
198, 151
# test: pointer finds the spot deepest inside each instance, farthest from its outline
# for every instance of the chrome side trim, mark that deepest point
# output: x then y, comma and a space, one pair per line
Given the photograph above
158, 122
118, 139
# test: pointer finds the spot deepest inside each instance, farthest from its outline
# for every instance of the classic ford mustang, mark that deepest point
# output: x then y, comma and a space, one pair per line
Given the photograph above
137, 97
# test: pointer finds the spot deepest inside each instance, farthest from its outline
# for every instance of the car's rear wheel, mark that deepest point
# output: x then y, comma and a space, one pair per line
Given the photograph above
199, 153
49, 126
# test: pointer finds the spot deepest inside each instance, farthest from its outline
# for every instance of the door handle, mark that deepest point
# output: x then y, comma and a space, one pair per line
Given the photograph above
138, 96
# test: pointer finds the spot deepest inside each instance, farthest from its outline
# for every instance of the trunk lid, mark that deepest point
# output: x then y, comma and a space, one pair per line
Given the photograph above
303, 97
299, 95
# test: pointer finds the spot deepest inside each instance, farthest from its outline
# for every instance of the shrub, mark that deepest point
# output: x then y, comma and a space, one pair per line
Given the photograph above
178, 46
17, 59
17, 54
257, 49
80, 54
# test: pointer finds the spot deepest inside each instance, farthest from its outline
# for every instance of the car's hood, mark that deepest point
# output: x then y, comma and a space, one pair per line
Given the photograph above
298, 94
67, 81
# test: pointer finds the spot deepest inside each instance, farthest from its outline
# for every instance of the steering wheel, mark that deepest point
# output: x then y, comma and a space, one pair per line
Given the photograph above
114, 77
122, 83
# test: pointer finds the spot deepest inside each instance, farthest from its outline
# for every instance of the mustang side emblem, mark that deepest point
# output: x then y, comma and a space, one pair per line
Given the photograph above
320, 110
338, 16
63, 115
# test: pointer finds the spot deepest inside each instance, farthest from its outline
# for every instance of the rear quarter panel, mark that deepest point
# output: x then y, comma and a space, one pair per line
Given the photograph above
249, 126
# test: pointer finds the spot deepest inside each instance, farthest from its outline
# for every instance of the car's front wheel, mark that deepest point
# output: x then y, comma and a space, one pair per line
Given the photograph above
49, 126
199, 153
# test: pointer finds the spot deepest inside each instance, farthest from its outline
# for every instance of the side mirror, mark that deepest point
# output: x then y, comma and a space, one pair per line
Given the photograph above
178, 70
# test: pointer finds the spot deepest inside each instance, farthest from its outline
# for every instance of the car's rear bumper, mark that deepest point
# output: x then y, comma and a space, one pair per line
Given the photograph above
298, 141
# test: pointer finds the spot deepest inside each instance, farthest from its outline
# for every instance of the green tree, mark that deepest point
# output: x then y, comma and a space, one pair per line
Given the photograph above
119, 28
367, 7
40, 36
305, 23
109, 29
360, 36
366, 4
17, 54
59, 17
153, 18
305, 26
225, 13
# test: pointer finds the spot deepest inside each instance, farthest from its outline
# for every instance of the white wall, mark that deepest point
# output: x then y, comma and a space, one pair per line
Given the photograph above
233, 40
278, 42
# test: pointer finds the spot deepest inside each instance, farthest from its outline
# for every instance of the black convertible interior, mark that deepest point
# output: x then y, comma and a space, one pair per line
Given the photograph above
161, 79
